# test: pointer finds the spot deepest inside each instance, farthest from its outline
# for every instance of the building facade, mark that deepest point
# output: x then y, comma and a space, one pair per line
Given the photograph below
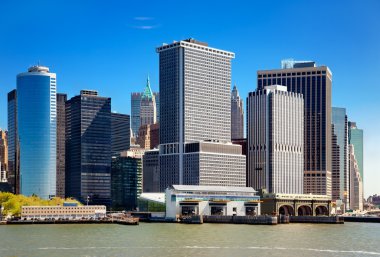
356, 182
61, 144
275, 140
88, 148
314, 83
121, 133
149, 137
126, 181
151, 171
13, 146
237, 115
148, 111
195, 106
355, 138
341, 181
3, 150
37, 131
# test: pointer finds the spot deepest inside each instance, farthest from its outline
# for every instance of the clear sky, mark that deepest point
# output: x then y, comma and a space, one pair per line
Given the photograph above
110, 46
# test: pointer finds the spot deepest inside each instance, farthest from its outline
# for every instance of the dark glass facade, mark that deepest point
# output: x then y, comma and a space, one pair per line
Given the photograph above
88, 148
61, 136
13, 170
121, 132
126, 182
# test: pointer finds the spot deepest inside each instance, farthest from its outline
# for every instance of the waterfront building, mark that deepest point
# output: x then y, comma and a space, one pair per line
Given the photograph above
355, 138
151, 171
88, 148
340, 170
148, 136
237, 115
120, 133
356, 182
3, 150
70, 211
152, 202
296, 204
136, 103
196, 107
275, 138
13, 145
187, 200
61, 144
37, 131
126, 180
314, 83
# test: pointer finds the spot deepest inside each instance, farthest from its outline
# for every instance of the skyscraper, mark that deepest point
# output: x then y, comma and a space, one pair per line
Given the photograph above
88, 147
126, 180
237, 115
356, 182
339, 121
121, 133
314, 83
151, 171
13, 146
3, 150
196, 107
275, 140
148, 108
37, 131
148, 137
355, 137
61, 144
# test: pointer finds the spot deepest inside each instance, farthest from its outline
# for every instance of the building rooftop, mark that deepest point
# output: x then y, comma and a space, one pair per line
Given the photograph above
38, 68
213, 188
148, 91
154, 197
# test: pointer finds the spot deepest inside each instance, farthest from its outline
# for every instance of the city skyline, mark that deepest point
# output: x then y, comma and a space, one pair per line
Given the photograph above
75, 70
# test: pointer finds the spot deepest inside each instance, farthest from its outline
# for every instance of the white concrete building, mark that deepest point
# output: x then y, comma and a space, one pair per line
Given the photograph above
184, 200
275, 143
71, 212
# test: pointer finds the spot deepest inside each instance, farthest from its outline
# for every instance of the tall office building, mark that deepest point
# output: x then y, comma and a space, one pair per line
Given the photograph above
356, 182
61, 143
335, 166
88, 147
340, 124
149, 137
3, 150
237, 115
13, 146
355, 137
314, 83
136, 104
275, 128
37, 131
151, 171
120, 133
126, 180
196, 107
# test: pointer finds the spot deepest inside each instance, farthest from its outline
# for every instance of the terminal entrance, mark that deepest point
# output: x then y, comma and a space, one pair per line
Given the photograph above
321, 211
286, 210
251, 209
189, 209
305, 210
218, 209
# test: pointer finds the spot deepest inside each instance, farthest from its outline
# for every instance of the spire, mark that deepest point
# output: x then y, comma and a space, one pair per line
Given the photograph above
235, 93
148, 91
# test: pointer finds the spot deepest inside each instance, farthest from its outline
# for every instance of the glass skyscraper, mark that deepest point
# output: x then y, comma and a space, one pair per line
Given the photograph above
13, 157
355, 137
340, 182
37, 122
88, 147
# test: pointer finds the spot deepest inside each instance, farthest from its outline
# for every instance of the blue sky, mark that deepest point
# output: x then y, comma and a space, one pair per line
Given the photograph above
110, 46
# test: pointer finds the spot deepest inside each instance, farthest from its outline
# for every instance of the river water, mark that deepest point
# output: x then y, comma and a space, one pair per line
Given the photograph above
164, 239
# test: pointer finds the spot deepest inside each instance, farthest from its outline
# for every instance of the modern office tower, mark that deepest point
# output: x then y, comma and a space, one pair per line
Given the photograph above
314, 83
126, 180
61, 144
335, 167
275, 128
148, 114
88, 148
3, 150
151, 171
13, 146
356, 182
355, 138
340, 124
237, 115
120, 133
196, 106
37, 131
149, 137
136, 103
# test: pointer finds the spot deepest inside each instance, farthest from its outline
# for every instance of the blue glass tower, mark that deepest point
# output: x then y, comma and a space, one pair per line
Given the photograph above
37, 122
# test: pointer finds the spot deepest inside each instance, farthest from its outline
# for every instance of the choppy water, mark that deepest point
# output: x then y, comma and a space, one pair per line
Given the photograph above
350, 239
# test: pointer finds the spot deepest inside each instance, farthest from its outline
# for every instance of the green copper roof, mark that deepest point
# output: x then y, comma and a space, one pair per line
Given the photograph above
148, 91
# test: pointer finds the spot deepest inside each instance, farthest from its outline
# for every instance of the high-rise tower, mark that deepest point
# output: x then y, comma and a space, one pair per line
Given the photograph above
195, 117
61, 144
237, 115
314, 83
148, 114
37, 131
13, 146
